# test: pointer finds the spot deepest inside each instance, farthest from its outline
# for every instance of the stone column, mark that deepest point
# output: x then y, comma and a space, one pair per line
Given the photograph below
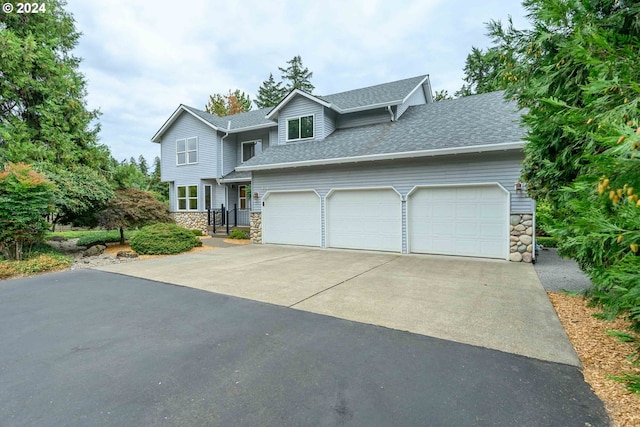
521, 229
256, 227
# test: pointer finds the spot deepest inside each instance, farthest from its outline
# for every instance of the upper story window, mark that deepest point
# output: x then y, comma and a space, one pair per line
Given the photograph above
248, 150
187, 151
300, 128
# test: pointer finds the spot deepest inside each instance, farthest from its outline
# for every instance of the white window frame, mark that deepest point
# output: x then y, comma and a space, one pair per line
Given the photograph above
208, 191
299, 118
246, 198
186, 151
187, 198
254, 142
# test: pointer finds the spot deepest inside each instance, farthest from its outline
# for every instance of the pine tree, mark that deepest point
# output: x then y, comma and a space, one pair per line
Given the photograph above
270, 93
297, 76
143, 165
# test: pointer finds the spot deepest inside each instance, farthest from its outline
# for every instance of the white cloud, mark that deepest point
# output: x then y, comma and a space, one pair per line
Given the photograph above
142, 59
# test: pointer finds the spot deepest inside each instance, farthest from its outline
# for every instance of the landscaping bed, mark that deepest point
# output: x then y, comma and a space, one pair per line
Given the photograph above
601, 354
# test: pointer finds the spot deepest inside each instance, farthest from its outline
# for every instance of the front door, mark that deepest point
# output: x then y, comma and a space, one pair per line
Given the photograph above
244, 204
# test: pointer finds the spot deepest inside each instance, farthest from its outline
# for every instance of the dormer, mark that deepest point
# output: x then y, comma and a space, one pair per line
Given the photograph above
303, 117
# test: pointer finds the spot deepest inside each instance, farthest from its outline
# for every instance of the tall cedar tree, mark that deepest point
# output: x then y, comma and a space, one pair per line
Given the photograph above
226, 105
270, 93
44, 119
297, 76
577, 73
483, 71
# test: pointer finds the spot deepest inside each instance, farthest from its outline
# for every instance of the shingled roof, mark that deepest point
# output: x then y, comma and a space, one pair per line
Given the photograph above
478, 123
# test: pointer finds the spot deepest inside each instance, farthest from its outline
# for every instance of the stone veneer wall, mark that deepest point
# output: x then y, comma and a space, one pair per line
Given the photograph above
256, 227
191, 220
521, 229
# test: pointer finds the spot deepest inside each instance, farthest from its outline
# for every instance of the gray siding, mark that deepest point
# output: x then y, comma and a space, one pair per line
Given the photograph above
230, 154
187, 126
262, 135
301, 106
362, 118
503, 168
273, 137
416, 98
329, 122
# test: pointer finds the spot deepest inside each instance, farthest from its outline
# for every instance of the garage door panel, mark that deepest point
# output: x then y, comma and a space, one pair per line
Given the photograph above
471, 221
364, 219
292, 218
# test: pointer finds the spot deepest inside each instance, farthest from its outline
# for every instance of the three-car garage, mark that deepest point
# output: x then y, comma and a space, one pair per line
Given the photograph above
466, 220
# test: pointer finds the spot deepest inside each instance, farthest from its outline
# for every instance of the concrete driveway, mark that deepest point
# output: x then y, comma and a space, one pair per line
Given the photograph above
488, 303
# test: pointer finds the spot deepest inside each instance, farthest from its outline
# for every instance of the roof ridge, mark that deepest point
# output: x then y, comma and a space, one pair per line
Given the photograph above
372, 86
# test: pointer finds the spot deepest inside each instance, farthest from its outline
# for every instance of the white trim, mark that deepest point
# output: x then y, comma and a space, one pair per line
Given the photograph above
187, 198
289, 97
299, 118
247, 199
182, 108
507, 243
335, 190
226, 181
389, 156
254, 142
270, 192
204, 196
187, 151
255, 127
415, 88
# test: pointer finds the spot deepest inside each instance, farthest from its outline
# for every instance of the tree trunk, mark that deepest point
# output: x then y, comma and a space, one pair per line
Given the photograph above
121, 236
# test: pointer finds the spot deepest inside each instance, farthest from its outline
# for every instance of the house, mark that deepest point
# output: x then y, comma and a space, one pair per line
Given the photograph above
380, 168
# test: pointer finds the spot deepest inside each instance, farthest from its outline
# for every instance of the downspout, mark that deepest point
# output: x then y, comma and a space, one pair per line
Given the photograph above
222, 158
393, 118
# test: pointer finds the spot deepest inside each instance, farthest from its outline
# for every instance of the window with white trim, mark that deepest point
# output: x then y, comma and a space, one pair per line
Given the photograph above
187, 196
248, 149
243, 200
208, 196
187, 151
300, 128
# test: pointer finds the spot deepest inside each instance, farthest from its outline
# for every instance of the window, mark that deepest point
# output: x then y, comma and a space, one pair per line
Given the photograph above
187, 151
248, 150
207, 196
243, 201
300, 128
187, 197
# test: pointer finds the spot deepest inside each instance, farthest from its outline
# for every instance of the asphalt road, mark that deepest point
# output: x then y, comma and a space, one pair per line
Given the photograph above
93, 348
559, 274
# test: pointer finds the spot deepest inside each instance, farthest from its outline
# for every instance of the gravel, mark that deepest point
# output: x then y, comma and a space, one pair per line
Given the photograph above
559, 274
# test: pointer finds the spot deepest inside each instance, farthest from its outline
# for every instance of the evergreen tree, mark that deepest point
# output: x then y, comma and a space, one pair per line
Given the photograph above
44, 118
297, 76
270, 93
483, 71
143, 165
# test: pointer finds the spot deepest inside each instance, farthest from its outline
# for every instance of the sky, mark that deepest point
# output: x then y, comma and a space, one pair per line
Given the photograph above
144, 58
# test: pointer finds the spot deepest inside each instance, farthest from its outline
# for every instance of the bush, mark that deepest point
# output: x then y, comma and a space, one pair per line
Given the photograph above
547, 242
163, 239
196, 232
91, 238
41, 259
238, 234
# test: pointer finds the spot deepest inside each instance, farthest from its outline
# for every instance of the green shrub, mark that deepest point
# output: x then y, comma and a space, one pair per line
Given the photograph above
547, 242
42, 258
91, 238
163, 239
238, 234
196, 232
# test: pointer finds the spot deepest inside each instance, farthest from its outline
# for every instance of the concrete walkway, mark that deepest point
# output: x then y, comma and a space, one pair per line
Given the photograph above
488, 303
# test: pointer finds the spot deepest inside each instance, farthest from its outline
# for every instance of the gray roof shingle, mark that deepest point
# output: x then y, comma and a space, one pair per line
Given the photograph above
238, 121
372, 95
465, 122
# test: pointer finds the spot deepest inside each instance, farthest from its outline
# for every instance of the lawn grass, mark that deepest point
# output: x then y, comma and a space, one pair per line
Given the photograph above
92, 237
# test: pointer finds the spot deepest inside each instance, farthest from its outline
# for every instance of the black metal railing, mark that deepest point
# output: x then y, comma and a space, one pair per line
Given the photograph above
216, 217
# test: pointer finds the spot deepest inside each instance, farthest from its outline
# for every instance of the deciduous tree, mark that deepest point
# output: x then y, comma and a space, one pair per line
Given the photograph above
132, 208
225, 105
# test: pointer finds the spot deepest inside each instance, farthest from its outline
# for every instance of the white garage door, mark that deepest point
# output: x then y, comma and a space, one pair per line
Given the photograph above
364, 219
292, 218
470, 221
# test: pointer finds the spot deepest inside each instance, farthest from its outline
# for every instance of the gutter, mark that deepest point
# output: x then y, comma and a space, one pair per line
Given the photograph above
393, 119
389, 156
